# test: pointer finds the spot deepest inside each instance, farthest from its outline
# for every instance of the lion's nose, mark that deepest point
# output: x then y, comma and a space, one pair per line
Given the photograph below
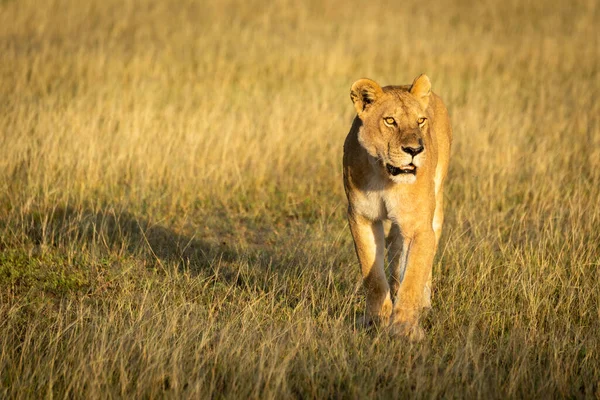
412, 150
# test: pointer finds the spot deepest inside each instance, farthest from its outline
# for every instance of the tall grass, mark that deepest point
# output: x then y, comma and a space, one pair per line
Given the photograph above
172, 219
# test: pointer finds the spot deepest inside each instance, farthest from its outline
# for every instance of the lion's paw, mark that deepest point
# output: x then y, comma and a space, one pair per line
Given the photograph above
370, 322
411, 331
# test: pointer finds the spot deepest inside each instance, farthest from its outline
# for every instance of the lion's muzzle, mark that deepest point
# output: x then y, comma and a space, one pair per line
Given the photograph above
413, 150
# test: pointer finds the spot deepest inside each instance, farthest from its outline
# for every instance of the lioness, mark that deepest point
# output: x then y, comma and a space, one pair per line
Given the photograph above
395, 161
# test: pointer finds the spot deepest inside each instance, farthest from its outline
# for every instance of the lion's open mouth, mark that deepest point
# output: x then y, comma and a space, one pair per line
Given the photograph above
408, 169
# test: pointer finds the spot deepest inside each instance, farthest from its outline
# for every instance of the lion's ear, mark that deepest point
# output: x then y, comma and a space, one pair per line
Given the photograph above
363, 93
421, 89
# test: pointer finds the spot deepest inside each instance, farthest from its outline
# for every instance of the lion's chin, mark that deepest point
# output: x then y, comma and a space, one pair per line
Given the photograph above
405, 179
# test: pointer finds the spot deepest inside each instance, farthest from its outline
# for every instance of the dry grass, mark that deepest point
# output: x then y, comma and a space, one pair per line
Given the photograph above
172, 215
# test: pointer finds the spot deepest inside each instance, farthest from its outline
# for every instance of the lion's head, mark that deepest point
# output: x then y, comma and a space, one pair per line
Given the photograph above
395, 128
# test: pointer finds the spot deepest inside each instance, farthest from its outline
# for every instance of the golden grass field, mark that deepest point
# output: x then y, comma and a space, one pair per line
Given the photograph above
172, 216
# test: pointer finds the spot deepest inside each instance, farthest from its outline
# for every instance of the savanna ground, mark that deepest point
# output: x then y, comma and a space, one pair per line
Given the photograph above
172, 218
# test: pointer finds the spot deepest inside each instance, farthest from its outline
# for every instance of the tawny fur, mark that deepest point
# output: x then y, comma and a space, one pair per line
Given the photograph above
388, 129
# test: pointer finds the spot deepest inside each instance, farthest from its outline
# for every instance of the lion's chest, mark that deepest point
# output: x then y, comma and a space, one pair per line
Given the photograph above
370, 205
379, 205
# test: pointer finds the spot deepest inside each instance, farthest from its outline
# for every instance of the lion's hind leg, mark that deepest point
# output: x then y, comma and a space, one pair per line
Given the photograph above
397, 255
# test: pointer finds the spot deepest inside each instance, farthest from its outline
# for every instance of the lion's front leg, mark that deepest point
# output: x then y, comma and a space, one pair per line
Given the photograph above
370, 248
405, 318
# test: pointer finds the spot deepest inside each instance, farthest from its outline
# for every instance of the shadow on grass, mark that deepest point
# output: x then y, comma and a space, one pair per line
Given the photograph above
124, 233
248, 254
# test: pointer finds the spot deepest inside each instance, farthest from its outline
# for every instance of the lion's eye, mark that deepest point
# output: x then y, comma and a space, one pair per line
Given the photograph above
421, 120
389, 121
